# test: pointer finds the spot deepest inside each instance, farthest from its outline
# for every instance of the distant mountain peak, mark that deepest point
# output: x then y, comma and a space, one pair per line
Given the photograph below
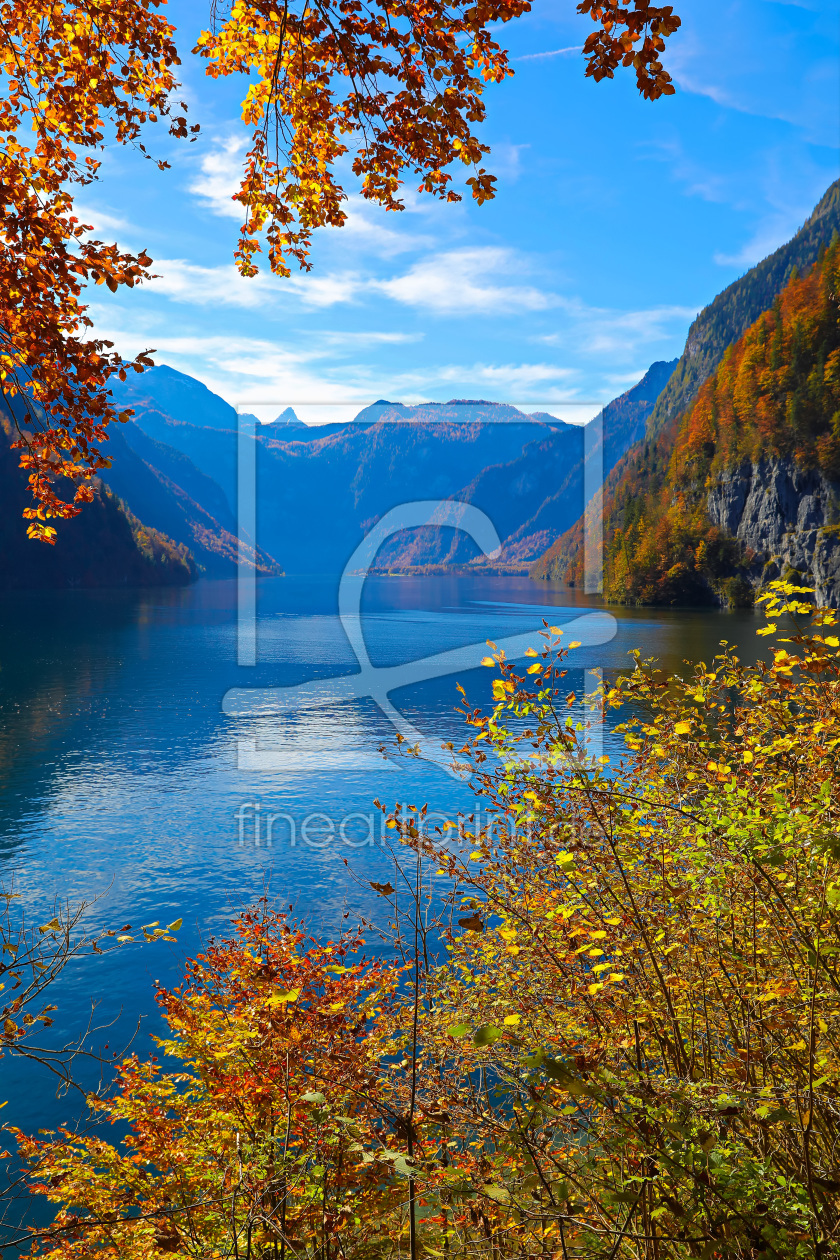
288, 419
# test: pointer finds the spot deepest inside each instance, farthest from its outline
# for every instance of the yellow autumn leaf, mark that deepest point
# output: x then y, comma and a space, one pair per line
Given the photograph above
510, 1020
682, 728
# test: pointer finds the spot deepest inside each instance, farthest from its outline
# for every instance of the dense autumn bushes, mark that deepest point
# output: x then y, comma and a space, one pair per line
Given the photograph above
620, 1037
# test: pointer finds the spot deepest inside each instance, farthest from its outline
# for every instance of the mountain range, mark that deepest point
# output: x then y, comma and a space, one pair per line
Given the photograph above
319, 490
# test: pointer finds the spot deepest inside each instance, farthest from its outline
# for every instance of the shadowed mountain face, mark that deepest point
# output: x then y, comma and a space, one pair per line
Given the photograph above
165, 490
179, 396
539, 494
317, 500
106, 545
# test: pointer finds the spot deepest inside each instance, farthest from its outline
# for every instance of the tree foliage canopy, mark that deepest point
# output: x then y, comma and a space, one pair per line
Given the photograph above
69, 71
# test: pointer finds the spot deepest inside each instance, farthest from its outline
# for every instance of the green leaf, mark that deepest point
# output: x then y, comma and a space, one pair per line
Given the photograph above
536, 1059
458, 1030
779, 1114
487, 1034
314, 1096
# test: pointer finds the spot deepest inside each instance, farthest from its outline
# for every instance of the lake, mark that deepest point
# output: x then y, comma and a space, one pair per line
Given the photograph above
124, 778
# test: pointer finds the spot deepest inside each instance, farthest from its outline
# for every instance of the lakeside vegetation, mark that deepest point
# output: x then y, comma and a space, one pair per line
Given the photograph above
608, 1026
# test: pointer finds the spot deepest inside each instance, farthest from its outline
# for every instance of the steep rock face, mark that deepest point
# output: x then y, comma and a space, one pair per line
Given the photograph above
786, 518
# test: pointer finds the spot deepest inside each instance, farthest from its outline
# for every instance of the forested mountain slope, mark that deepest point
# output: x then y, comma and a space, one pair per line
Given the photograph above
166, 491
716, 327
731, 313
106, 545
744, 485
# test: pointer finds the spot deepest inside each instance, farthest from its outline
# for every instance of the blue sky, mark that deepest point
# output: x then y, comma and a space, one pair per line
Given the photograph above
615, 221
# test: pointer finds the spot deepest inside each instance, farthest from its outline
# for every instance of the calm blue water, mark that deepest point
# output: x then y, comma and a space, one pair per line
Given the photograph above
120, 776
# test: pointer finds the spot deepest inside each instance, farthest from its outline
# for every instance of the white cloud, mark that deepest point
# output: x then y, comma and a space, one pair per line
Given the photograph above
462, 282
329, 290
221, 173
554, 52
339, 340
368, 230
619, 334
264, 377
774, 230
456, 282
626, 332
506, 160
508, 379
188, 282
217, 286
101, 220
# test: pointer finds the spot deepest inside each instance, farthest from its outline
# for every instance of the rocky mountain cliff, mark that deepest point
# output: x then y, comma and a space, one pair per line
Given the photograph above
785, 517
